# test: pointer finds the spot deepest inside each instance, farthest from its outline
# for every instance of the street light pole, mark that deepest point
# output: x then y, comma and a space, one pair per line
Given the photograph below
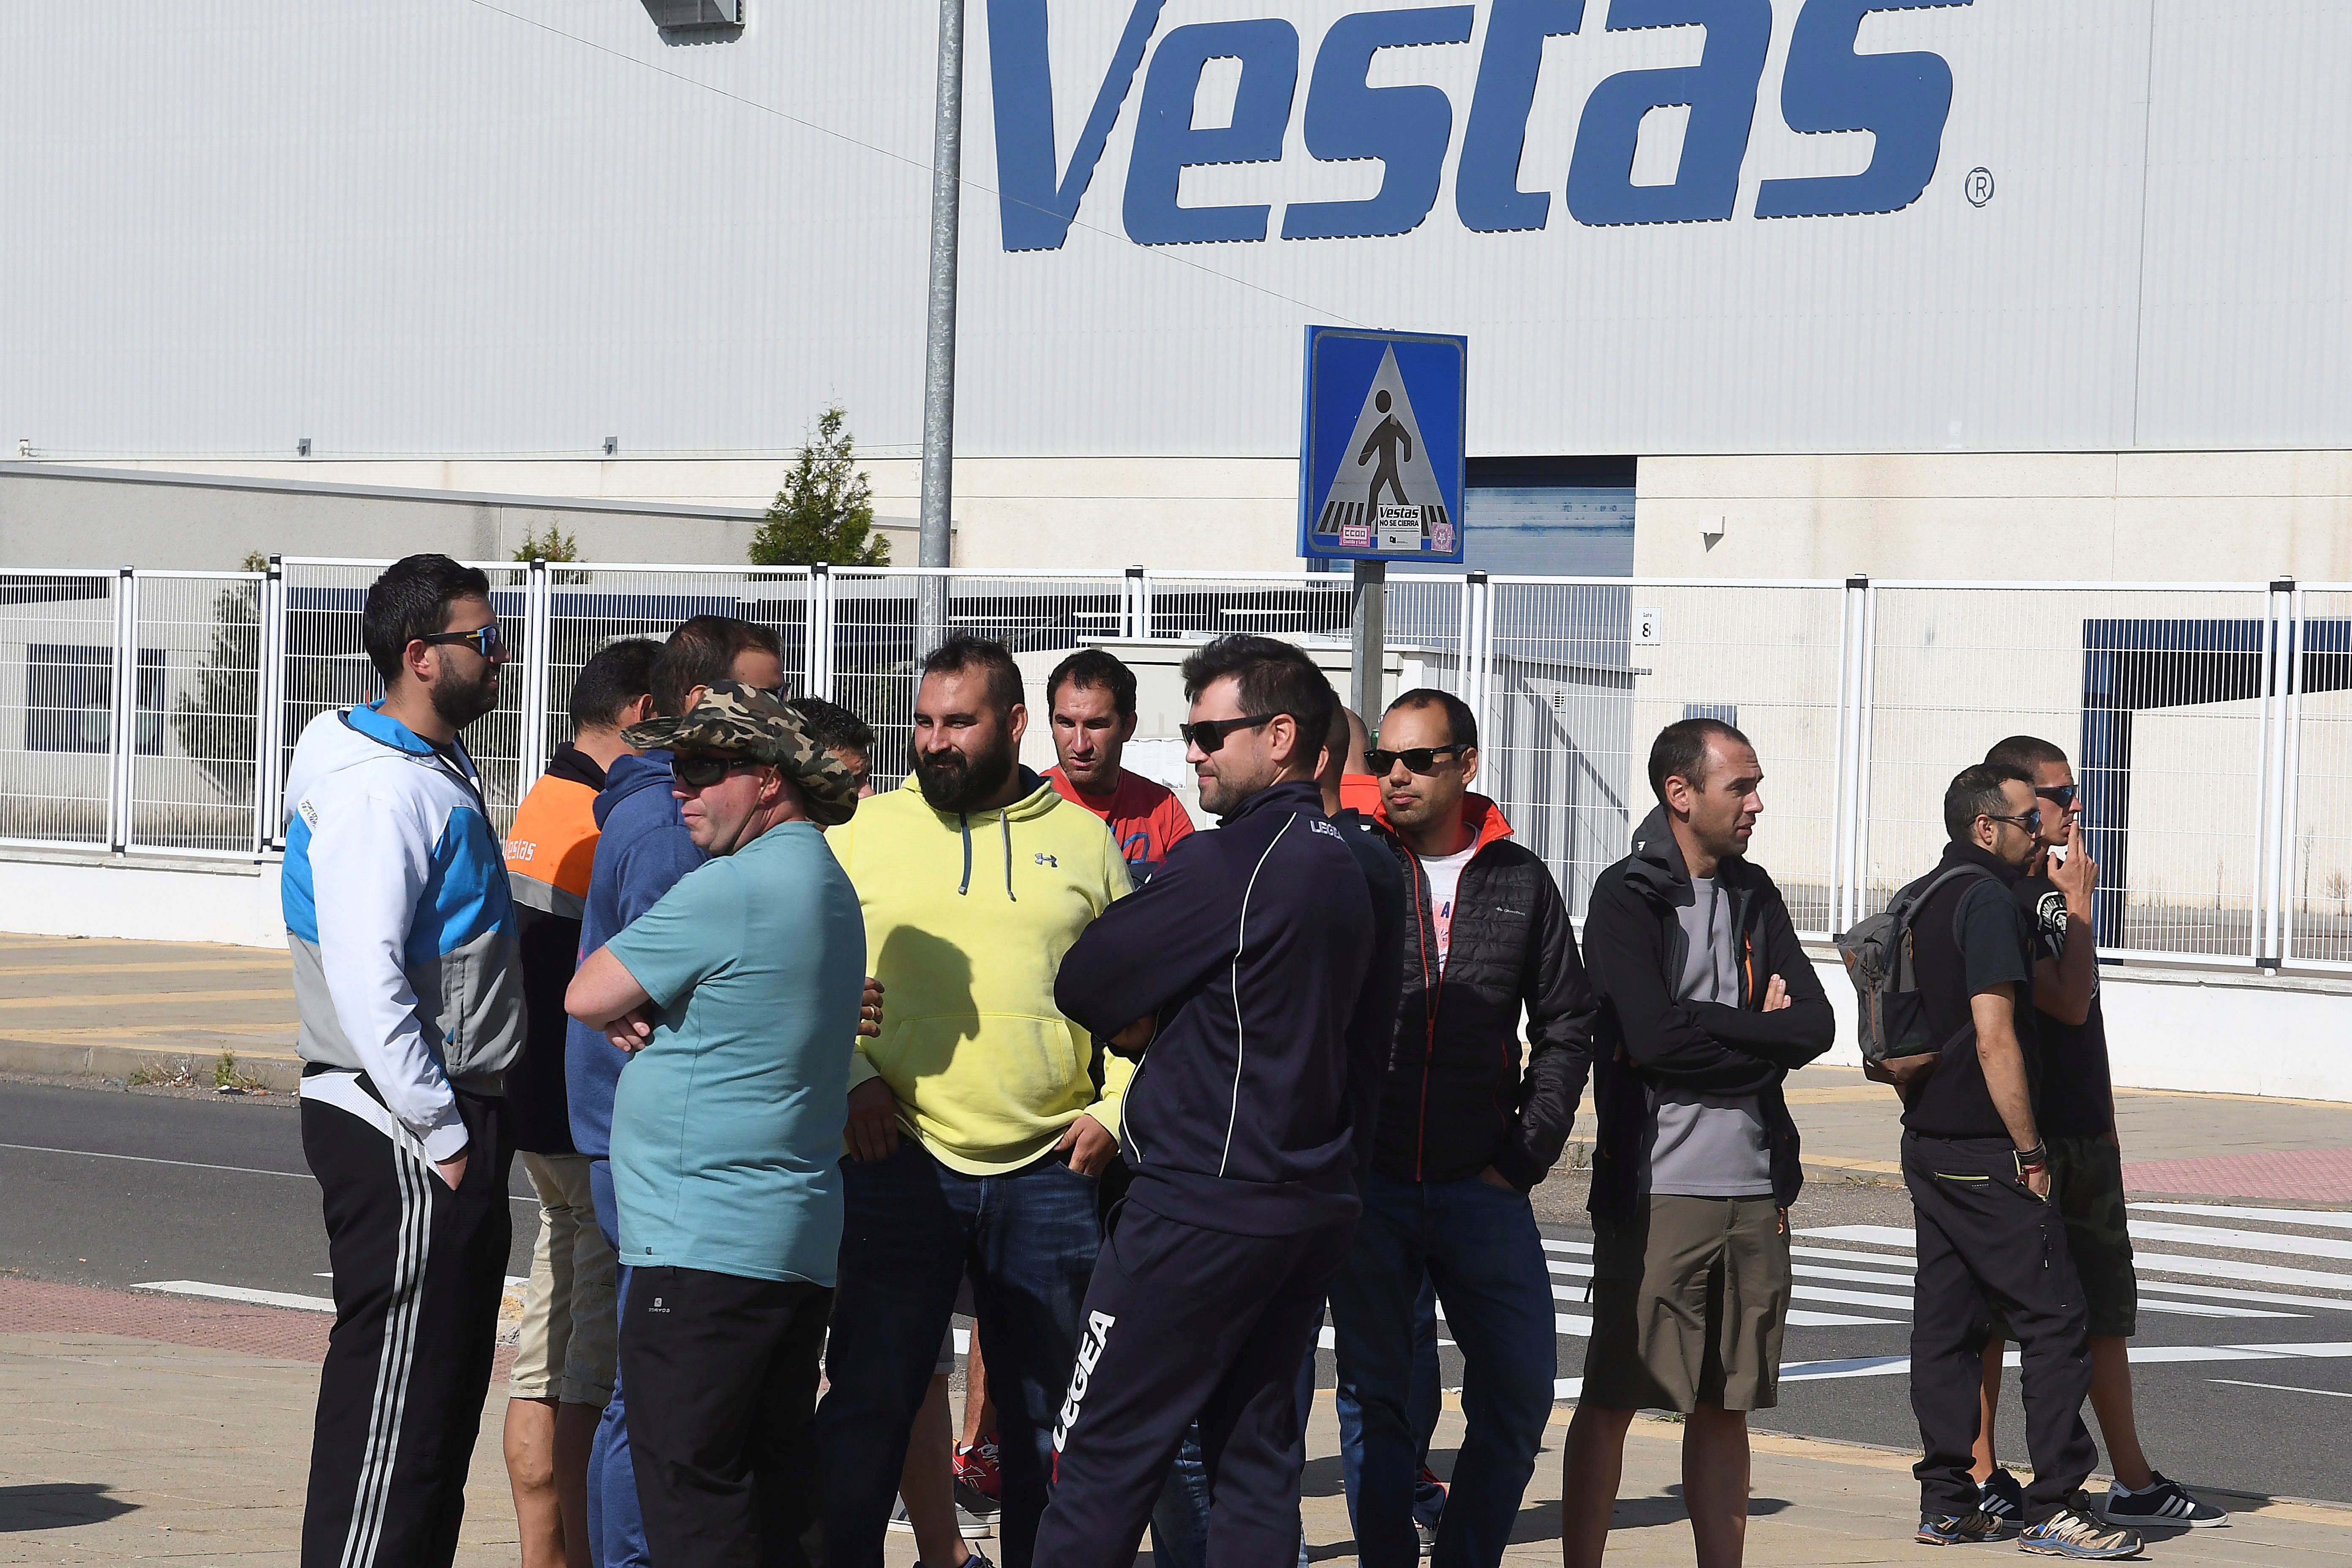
940, 342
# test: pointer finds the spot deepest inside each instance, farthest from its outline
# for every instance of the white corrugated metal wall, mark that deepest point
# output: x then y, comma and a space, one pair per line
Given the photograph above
454, 226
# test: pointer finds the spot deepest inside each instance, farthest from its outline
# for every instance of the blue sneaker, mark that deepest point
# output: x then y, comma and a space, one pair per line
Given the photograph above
1956, 1528
2071, 1532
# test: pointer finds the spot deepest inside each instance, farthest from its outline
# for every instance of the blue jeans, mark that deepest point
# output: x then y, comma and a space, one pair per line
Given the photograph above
913, 1230
616, 1529
1423, 1398
1477, 1244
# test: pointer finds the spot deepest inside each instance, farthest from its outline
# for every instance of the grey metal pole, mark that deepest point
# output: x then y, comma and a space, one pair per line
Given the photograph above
1367, 628
939, 342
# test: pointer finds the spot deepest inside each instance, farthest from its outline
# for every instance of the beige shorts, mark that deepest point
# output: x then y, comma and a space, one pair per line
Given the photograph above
566, 1350
1688, 1307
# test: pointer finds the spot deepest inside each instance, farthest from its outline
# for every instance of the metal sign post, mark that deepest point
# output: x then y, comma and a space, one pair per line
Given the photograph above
1381, 456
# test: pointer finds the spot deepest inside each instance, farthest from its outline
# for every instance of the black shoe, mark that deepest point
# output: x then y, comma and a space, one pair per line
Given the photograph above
1999, 1495
2165, 1503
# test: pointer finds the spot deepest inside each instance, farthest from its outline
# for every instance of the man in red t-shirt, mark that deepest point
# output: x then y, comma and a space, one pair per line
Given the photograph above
1091, 697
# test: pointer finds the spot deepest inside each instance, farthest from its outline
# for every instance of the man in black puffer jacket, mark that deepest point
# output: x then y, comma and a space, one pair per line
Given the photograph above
1465, 1131
1707, 1002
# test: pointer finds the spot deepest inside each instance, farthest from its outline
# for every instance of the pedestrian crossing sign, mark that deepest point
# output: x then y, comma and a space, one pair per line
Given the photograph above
1382, 445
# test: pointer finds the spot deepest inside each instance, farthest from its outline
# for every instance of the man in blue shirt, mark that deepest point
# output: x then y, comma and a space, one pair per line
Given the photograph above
740, 993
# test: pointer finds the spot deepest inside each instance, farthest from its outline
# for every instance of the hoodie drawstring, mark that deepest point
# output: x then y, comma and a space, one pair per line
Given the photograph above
963, 888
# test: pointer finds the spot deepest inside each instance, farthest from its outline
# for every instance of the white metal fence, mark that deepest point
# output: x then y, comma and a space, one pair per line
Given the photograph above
2210, 723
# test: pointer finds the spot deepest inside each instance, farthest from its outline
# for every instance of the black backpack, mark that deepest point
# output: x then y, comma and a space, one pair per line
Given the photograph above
1878, 953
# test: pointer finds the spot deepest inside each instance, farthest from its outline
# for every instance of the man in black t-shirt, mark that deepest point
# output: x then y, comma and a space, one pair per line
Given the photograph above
2074, 1104
1989, 1238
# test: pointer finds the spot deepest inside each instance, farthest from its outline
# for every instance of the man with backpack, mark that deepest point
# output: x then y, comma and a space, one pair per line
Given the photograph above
2074, 1112
1707, 1002
1979, 1174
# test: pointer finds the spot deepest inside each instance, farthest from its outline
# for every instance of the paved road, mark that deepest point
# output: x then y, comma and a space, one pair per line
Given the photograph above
115, 1189
108, 1187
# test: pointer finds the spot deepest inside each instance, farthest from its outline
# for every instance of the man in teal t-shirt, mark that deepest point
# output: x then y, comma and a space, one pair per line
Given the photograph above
741, 993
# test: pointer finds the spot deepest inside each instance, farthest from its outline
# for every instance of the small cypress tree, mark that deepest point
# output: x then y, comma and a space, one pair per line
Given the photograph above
826, 510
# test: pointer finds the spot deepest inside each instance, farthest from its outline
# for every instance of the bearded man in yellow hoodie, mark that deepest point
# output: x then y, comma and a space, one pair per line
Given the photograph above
981, 1118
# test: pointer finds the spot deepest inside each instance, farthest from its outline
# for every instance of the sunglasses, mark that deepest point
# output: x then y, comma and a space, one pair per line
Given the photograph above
2029, 820
487, 641
2062, 796
1418, 759
702, 772
1209, 735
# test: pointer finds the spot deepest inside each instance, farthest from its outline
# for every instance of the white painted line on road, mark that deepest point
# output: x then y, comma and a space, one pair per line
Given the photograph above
1883, 1234
2146, 1262
2220, 1292
1885, 1366
238, 1293
2330, 1218
151, 1159
1845, 1255
1797, 1320
2241, 1240
2281, 1388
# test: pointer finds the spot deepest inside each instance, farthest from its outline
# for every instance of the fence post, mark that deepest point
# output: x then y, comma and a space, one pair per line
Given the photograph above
2297, 628
269, 708
1143, 607
1477, 645
2271, 861
122, 711
1845, 897
817, 656
538, 670
1138, 615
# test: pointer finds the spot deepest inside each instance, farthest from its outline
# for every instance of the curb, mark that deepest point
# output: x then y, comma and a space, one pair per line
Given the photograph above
278, 1071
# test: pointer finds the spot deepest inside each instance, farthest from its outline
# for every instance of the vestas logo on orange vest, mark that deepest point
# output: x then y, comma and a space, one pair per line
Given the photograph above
1826, 85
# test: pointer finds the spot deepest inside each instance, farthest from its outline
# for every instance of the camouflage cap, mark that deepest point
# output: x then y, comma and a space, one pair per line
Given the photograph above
738, 721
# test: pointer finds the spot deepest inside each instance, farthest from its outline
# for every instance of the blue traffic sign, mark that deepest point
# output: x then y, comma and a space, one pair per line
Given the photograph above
1381, 445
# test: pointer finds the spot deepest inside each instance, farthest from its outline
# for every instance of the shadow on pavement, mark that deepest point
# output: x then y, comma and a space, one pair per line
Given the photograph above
59, 1506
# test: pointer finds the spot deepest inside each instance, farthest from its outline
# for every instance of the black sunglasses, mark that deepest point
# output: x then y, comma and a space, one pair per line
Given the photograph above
1209, 735
2062, 796
1417, 759
702, 772
2029, 820
487, 641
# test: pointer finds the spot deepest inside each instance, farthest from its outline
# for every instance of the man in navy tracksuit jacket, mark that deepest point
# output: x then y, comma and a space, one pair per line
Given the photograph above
1247, 962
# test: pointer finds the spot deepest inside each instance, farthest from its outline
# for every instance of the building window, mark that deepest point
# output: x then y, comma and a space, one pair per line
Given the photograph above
70, 699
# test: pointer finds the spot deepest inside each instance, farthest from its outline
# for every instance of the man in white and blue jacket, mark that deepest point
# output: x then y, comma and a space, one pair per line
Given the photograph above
1244, 976
409, 988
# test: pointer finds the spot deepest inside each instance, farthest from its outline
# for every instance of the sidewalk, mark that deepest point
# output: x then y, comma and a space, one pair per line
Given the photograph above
102, 1008
144, 1428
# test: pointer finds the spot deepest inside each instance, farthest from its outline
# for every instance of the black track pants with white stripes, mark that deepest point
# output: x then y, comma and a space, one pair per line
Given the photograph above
418, 1273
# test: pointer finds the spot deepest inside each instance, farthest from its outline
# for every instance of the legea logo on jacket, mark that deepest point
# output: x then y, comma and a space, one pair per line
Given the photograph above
1827, 86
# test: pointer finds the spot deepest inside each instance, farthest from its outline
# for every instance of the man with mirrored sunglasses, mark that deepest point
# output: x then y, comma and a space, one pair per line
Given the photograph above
1466, 1129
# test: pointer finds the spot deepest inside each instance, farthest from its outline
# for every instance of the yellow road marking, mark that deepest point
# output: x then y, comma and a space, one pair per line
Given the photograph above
149, 999
198, 1032
280, 965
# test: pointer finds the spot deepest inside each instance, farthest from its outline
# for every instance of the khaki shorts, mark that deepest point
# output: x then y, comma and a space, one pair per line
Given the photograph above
567, 1330
1689, 1304
2086, 1180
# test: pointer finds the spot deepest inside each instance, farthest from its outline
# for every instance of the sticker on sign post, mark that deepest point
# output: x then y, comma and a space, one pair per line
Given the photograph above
1381, 445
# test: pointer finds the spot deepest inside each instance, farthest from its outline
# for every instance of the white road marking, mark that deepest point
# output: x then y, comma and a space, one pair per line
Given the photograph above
2146, 1262
239, 1293
151, 1159
1882, 1366
2282, 1387
2329, 1218
2241, 1240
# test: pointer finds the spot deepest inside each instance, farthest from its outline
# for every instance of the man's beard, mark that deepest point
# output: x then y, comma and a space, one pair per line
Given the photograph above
951, 782
458, 703
1224, 794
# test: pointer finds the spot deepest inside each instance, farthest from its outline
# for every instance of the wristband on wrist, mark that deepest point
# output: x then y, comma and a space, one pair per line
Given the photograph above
2034, 1158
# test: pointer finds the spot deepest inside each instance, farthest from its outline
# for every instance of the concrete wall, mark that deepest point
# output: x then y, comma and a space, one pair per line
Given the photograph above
2176, 517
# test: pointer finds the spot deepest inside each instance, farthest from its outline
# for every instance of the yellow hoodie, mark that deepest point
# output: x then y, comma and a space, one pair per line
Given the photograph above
967, 918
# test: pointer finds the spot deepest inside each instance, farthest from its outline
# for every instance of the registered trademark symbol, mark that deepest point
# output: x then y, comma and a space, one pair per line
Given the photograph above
1979, 185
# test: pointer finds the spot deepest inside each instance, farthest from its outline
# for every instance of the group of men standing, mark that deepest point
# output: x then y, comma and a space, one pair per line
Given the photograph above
1151, 1101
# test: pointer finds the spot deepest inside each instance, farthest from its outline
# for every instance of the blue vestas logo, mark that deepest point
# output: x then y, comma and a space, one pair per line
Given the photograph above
1902, 98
